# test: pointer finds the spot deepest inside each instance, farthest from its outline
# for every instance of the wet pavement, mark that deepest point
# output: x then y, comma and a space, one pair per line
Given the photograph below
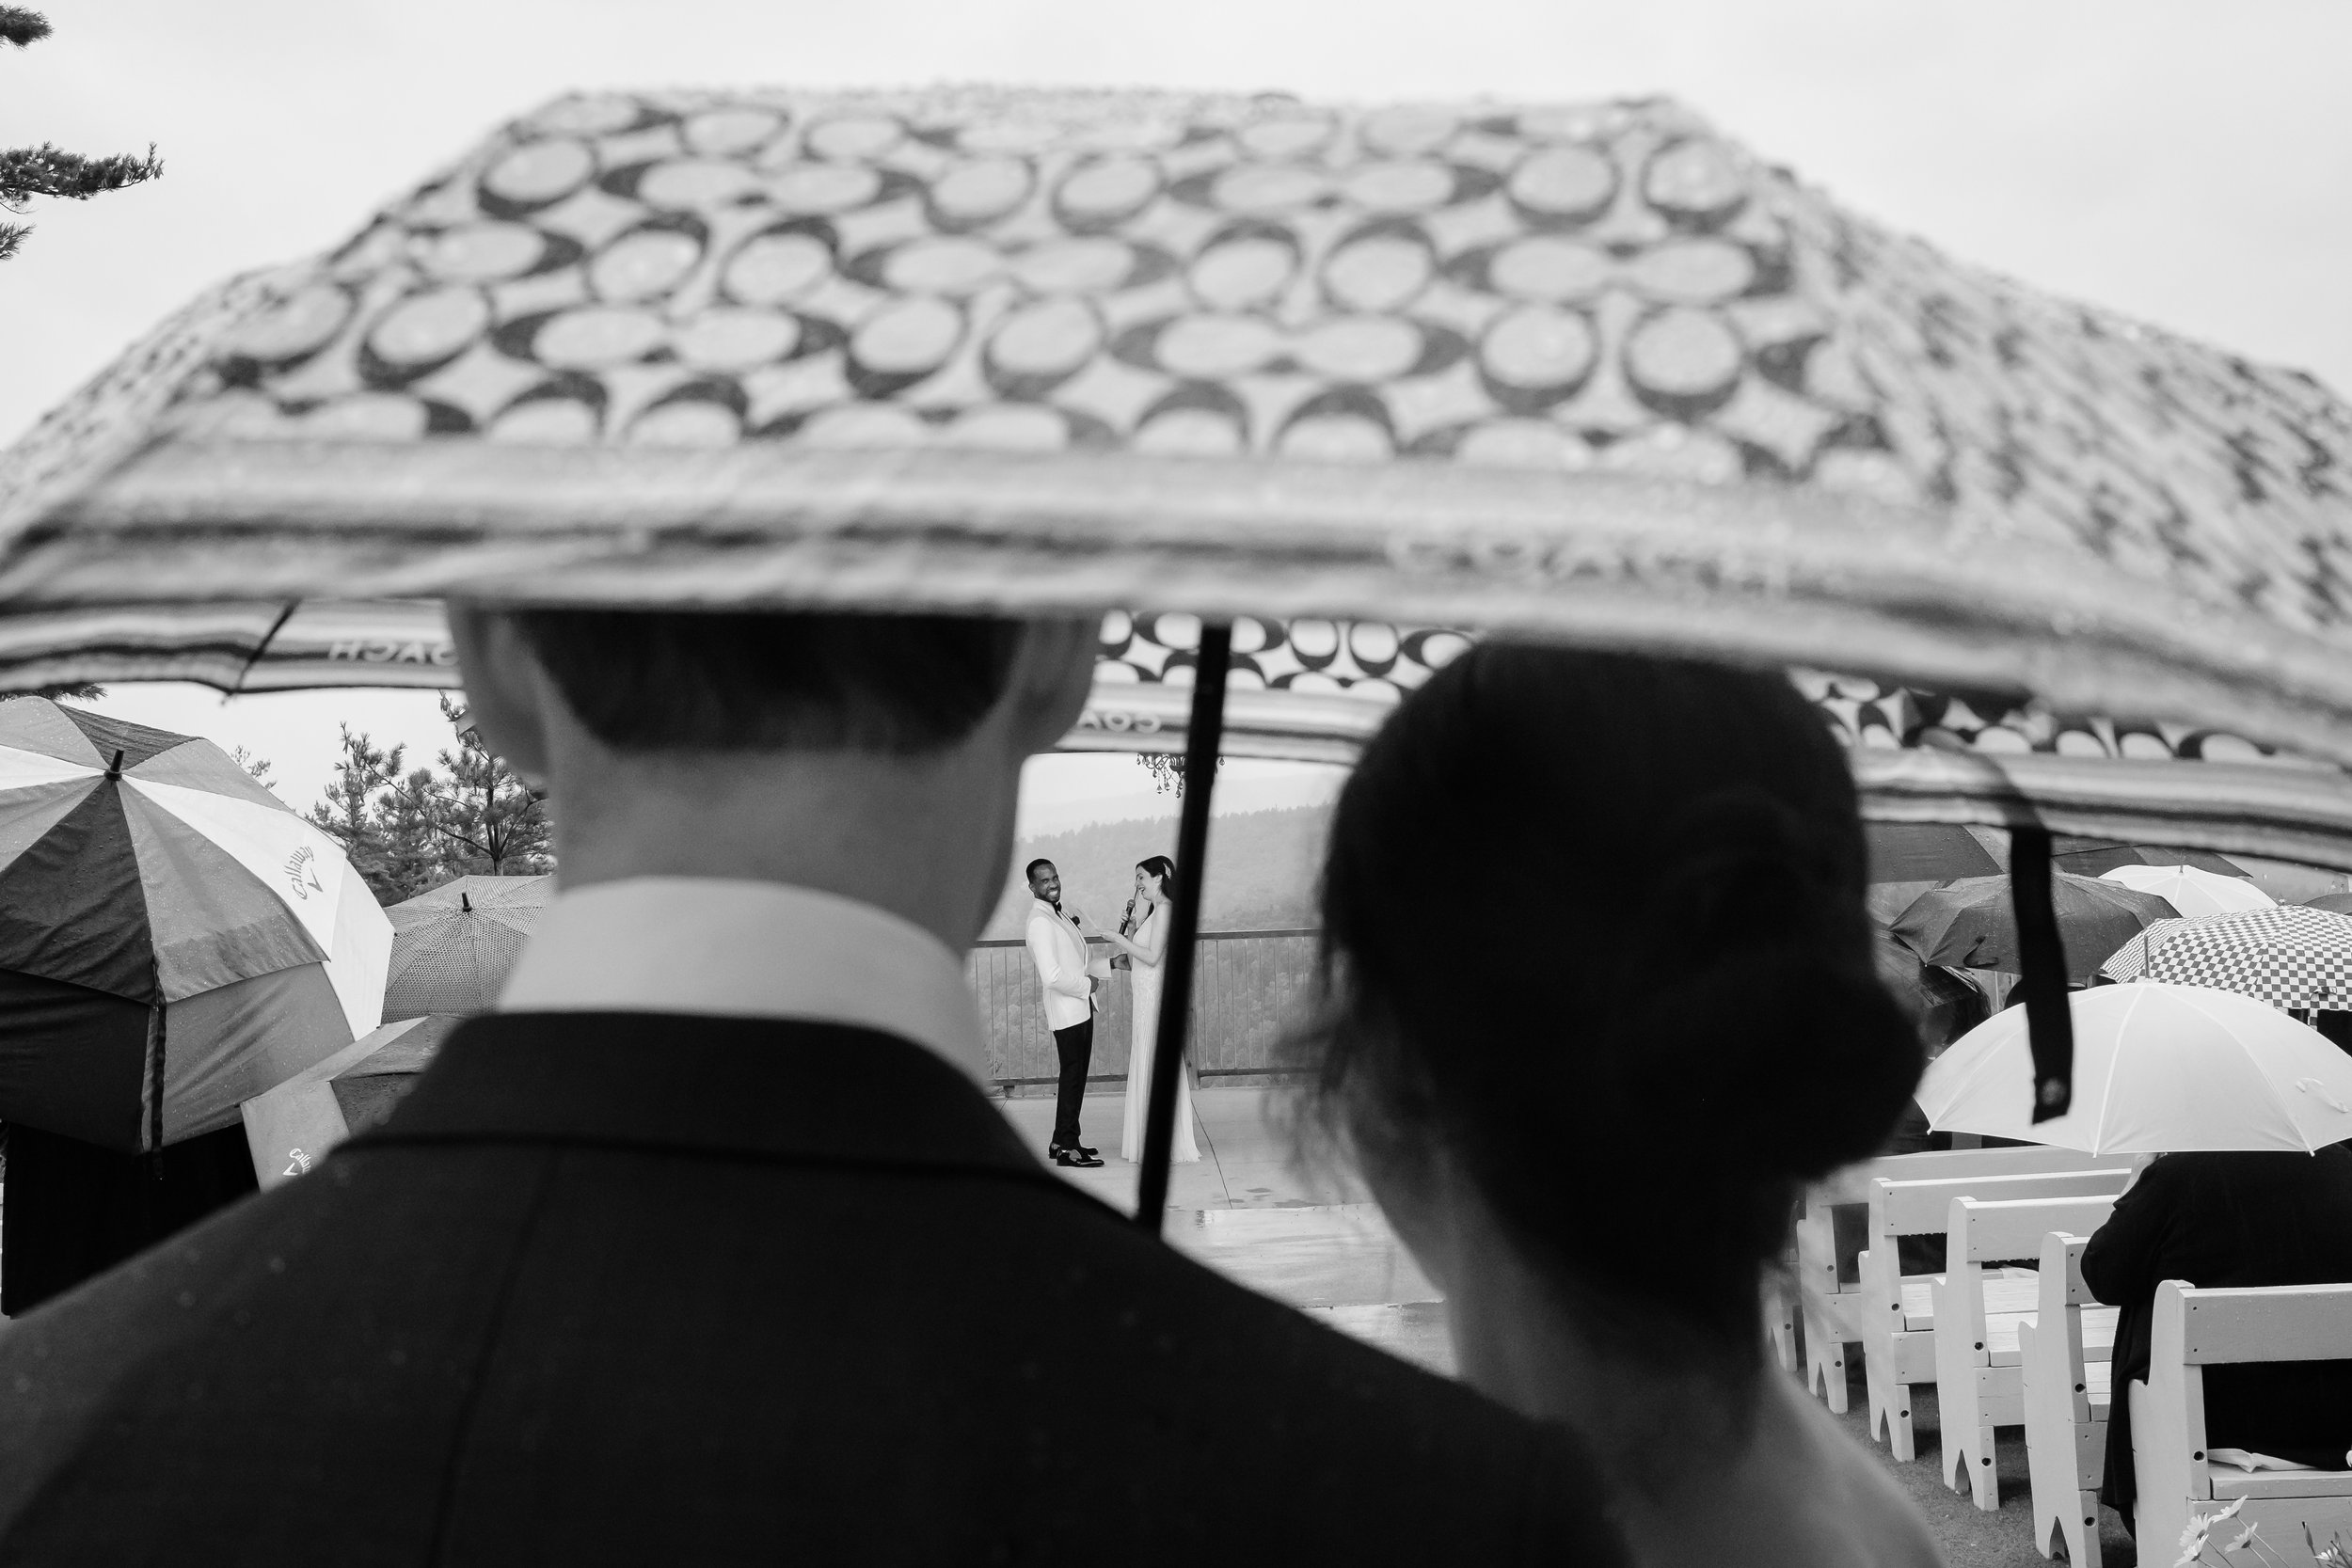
1311, 1237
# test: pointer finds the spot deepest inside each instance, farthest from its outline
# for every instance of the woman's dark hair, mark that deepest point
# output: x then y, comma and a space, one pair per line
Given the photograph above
1162, 867
1594, 924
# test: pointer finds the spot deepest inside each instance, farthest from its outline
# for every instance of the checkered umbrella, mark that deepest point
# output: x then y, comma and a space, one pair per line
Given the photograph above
2287, 956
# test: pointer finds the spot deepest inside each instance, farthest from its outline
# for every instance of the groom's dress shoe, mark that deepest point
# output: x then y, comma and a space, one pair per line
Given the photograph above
1076, 1158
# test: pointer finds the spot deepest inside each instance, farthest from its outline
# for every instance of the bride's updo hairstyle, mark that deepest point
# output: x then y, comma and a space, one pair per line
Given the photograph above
1593, 924
1163, 868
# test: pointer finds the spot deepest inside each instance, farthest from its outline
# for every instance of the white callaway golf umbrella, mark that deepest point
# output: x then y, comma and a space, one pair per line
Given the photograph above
2158, 1068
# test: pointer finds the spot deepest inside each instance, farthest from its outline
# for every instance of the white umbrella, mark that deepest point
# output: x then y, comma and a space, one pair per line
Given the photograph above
2191, 891
2157, 1070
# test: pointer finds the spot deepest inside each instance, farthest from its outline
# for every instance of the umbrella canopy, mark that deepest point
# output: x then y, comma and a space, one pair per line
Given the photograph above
164, 920
2158, 1068
1933, 997
290, 1128
2286, 955
1927, 852
453, 946
2191, 891
2334, 903
2092, 857
1590, 370
1972, 924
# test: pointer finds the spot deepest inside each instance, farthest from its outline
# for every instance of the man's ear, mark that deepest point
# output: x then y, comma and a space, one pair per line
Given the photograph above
1047, 689
507, 692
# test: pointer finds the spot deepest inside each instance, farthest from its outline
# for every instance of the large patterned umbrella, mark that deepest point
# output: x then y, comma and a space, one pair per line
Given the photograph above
1590, 371
173, 939
2287, 956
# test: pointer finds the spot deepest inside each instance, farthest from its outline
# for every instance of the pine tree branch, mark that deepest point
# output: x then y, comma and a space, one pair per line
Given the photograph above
20, 26
11, 236
27, 172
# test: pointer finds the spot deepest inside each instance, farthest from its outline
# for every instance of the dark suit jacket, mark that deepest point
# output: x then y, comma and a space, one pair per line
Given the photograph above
628, 1287
2225, 1220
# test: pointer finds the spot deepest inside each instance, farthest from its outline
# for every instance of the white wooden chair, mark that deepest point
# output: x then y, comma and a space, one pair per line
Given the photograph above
1895, 1313
1829, 1293
1780, 1322
2194, 1329
1979, 1361
2066, 1396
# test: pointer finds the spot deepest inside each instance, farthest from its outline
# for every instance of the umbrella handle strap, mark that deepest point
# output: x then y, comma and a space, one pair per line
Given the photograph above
1203, 738
2042, 957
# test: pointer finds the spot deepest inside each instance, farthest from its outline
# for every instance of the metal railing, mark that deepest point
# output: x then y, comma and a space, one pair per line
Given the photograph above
1248, 988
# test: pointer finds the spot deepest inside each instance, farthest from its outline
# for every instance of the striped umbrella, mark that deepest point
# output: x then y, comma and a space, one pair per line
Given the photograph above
173, 939
453, 946
1238, 366
2287, 956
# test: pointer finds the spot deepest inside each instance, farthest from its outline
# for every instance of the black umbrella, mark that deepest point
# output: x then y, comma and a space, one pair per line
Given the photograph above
1972, 924
2334, 903
2095, 856
1939, 1002
1926, 852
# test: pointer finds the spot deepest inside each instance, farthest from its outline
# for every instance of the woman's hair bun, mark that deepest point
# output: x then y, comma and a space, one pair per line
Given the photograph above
1767, 990
1793, 1061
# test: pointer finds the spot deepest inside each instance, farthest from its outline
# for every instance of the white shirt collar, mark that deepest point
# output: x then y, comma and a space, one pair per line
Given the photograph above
717, 947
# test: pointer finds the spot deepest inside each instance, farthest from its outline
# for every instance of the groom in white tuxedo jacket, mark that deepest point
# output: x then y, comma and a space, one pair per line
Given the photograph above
1068, 974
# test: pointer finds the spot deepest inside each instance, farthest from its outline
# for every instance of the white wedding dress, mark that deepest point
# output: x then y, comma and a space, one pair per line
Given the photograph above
1144, 1026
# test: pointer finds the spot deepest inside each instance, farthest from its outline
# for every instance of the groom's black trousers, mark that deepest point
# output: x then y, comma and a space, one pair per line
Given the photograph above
1076, 1046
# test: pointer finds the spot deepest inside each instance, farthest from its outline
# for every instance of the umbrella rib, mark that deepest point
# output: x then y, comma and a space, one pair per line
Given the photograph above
262, 647
2107, 1090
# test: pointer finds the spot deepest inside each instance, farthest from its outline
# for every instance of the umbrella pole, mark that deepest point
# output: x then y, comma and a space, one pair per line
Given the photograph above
2049, 1019
1202, 739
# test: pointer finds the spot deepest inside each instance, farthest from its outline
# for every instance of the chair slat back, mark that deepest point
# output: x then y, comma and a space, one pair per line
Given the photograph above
1922, 1208
1852, 1185
1982, 1231
2062, 1284
2275, 1323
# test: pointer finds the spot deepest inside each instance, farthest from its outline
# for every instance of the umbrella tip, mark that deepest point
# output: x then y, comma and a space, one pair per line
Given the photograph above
114, 769
465, 900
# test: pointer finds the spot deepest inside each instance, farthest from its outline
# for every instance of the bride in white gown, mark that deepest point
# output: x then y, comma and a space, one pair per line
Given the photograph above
1148, 946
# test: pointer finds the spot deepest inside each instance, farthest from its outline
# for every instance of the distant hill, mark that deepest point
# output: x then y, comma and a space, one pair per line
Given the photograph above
1263, 866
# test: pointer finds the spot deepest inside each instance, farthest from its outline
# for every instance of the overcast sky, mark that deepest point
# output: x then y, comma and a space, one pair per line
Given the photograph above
2180, 160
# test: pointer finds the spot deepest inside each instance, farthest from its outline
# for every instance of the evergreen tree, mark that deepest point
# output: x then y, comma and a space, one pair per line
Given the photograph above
258, 768
491, 823
27, 172
348, 815
415, 856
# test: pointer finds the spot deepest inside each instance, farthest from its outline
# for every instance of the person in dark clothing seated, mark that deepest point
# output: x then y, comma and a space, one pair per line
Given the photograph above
2221, 1220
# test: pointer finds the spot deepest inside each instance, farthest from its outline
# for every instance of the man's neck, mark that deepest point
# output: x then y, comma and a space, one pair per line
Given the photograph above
926, 838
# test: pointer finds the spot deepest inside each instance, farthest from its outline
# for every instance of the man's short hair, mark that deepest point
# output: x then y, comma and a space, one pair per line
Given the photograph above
731, 681
1028, 873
